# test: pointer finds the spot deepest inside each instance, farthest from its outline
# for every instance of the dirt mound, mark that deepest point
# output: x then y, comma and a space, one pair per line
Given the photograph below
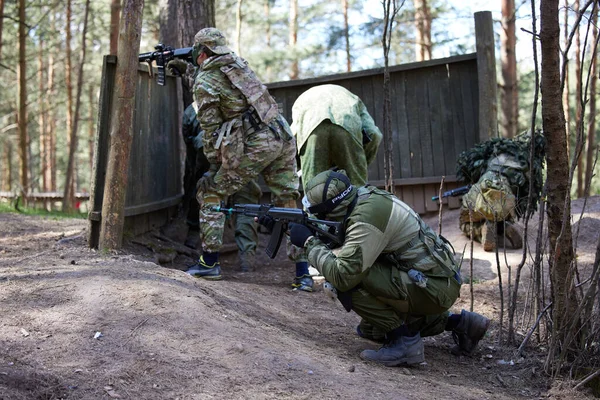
83, 324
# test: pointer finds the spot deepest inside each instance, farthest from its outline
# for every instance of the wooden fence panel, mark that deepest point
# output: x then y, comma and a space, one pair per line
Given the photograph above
155, 182
435, 110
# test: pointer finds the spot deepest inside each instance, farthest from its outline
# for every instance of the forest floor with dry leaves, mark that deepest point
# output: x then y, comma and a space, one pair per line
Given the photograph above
84, 324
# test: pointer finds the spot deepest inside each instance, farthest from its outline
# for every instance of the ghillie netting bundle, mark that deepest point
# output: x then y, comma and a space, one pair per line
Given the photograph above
473, 163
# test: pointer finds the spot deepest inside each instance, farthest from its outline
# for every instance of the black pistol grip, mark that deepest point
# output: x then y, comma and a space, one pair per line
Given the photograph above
275, 240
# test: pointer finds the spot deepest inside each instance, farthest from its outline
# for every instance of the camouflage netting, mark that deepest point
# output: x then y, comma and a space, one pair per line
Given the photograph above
473, 163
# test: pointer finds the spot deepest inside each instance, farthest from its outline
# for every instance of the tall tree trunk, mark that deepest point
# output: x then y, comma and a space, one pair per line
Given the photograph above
578, 100
566, 91
7, 173
51, 125
423, 30
267, 13
558, 180
121, 135
69, 192
192, 16
293, 39
91, 130
591, 128
115, 14
22, 103
68, 202
347, 35
169, 22
389, 14
42, 100
238, 28
1, 25
509, 92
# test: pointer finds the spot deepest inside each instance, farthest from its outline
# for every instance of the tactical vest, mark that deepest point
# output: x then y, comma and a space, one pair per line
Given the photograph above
257, 95
427, 252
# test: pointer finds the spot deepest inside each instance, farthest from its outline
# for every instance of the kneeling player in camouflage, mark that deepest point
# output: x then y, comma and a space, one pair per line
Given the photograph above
500, 171
391, 269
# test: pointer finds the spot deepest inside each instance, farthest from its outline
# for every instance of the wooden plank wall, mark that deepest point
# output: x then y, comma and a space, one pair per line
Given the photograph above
155, 184
435, 117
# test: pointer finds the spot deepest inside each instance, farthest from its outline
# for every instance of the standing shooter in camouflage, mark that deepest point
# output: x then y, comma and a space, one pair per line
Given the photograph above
246, 235
392, 270
245, 135
334, 129
500, 172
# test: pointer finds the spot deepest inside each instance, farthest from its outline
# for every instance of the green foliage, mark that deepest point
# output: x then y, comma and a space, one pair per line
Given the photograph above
6, 207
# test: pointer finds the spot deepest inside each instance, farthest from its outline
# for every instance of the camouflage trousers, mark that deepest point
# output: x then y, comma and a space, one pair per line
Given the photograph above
265, 154
397, 301
246, 234
331, 145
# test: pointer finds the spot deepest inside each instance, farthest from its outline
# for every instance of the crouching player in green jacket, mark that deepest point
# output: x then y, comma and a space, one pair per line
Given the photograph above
391, 269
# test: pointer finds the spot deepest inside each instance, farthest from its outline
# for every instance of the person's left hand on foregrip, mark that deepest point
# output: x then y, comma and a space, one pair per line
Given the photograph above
299, 234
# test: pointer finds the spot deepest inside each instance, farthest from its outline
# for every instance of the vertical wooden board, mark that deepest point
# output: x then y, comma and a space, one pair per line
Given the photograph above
454, 202
470, 98
375, 108
431, 190
418, 194
436, 111
402, 143
474, 84
102, 140
101, 146
405, 193
446, 124
412, 112
458, 110
424, 115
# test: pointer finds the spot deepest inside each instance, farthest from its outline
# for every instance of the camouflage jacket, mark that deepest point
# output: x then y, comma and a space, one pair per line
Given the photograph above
224, 89
341, 107
218, 101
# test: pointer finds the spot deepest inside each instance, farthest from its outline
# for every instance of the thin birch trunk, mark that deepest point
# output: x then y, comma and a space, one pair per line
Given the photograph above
69, 191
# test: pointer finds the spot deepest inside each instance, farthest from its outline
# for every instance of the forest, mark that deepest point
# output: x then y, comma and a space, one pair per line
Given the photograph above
51, 56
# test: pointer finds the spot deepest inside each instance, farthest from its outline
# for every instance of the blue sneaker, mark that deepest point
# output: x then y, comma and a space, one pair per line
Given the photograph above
203, 270
304, 283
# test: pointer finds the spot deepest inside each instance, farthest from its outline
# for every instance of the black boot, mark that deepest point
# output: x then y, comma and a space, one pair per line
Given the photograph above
399, 350
469, 331
203, 270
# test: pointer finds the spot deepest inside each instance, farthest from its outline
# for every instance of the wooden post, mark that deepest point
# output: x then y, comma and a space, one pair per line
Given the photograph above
101, 143
121, 132
486, 71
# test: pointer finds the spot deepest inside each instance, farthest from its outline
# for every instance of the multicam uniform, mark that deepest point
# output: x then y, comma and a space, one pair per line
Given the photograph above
245, 135
384, 240
246, 235
333, 128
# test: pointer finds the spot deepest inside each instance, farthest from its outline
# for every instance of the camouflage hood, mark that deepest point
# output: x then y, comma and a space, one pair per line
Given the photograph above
511, 158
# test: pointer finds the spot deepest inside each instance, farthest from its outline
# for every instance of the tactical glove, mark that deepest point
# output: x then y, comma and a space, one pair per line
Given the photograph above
177, 66
208, 179
299, 234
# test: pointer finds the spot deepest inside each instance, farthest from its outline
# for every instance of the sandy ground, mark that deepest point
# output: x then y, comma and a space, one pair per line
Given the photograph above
81, 324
